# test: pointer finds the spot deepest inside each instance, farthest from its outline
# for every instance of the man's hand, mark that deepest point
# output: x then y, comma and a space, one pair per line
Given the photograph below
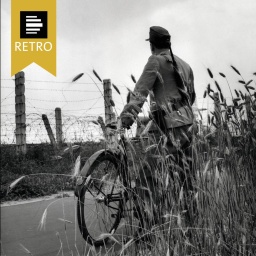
129, 115
127, 119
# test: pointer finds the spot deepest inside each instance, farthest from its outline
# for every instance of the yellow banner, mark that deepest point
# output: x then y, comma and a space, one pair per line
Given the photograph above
33, 28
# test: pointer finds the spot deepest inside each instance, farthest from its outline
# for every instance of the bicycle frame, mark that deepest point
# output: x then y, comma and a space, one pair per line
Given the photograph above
120, 155
126, 195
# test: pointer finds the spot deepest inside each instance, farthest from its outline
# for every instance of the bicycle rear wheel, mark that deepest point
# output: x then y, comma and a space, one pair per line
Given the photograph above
102, 198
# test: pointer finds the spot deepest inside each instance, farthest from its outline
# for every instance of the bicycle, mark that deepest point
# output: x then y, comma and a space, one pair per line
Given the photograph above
103, 192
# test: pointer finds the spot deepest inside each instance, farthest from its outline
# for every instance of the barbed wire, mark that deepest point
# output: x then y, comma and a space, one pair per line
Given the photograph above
73, 101
45, 81
76, 127
52, 90
59, 82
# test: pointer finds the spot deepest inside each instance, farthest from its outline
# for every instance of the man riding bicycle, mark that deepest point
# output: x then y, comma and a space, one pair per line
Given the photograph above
170, 82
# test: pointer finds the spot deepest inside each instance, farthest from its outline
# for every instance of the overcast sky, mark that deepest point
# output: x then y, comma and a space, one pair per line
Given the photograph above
109, 36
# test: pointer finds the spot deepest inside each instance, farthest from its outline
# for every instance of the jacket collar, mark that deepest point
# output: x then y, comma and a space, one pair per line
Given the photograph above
166, 54
162, 52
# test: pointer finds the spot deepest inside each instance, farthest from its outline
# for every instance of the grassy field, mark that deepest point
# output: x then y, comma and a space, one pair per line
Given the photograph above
218, 217
43, 174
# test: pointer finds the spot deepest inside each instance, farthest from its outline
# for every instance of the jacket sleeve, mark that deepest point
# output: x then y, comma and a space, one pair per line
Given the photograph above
143, 86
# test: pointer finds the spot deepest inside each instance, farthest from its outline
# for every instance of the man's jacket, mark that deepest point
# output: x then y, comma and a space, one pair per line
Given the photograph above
158, 76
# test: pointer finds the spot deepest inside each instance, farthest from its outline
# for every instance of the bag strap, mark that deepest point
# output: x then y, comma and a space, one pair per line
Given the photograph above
179, 79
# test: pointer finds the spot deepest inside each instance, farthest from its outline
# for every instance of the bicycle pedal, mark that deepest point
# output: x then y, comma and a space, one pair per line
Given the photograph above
100, 199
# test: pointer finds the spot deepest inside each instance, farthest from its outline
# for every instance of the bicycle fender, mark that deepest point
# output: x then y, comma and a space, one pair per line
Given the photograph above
90, 161
87, 166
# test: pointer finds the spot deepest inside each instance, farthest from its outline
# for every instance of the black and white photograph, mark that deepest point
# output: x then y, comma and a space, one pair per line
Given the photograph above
128, 128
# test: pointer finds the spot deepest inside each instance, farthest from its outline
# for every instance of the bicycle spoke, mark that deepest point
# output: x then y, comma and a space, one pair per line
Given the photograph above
103, 220
100, 190
103, 199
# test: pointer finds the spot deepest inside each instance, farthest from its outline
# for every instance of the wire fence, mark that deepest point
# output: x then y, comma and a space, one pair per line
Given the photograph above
80, 104
74, 128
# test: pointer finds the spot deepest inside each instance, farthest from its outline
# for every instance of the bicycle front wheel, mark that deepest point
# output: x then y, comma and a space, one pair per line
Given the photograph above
101, 200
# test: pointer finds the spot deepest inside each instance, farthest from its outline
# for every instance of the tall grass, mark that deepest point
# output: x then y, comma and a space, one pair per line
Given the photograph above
217, 216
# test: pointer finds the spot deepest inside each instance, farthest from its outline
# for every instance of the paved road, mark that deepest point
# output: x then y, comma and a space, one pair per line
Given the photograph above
19, 229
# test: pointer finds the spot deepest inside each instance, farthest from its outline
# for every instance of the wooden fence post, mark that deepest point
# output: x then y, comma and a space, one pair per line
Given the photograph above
248, 110
110, 117
20, 115
217, 108
49, 131
58, 120
102, 125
